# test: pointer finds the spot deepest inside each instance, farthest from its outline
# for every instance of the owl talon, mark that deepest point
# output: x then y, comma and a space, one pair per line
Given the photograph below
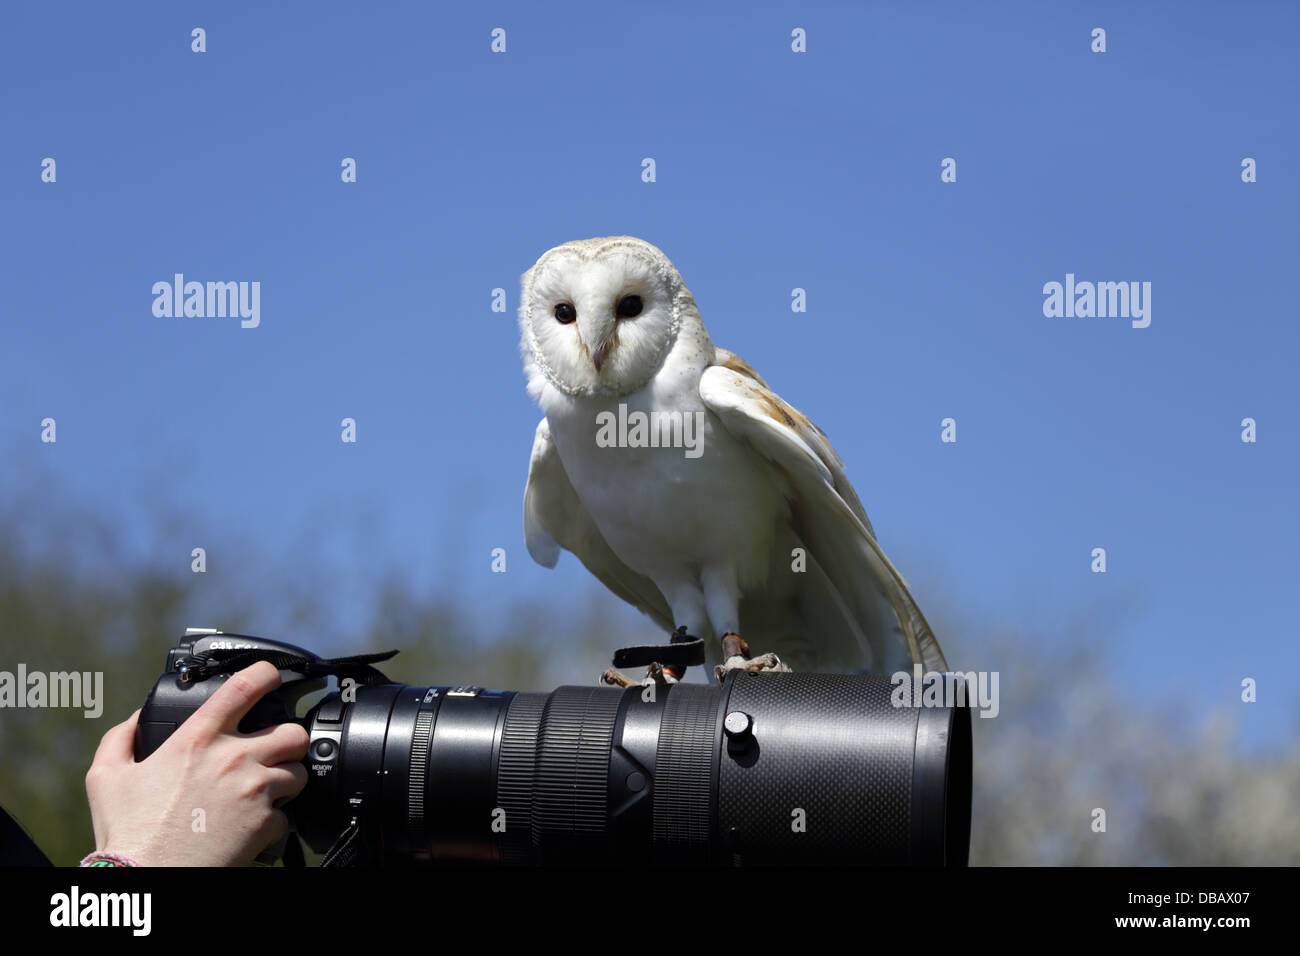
737, 656
612, 676
654, 674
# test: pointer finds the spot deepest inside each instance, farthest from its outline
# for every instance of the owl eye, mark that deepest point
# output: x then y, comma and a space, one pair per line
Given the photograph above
628, 307
565, 313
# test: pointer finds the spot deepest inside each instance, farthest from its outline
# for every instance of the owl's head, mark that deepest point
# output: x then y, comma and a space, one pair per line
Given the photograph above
598, 316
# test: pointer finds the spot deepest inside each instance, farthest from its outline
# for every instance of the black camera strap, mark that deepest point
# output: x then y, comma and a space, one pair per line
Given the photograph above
226, 660
346, 850
684, 651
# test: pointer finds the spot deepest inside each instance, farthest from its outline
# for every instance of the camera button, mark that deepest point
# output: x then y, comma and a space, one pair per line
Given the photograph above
323, 750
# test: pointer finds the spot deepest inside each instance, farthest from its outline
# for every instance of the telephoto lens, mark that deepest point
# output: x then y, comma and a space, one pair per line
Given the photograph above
796, 768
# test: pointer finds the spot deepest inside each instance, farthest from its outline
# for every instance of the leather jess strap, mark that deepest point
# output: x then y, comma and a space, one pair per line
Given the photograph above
684, 651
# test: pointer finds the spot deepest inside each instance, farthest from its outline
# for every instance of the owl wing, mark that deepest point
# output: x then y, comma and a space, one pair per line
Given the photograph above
555, 518
863, 597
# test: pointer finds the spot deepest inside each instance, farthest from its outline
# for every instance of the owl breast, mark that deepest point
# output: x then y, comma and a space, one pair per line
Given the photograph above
670, 489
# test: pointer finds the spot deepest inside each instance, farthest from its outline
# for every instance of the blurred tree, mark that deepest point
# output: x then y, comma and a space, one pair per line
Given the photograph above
74, 596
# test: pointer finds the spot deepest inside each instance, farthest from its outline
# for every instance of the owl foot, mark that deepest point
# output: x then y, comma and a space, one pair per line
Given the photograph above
654, 674
735, 653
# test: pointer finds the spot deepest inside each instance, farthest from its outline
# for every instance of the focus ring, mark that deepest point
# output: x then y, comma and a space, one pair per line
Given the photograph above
517, 774
684, 767
415, 780
570, 802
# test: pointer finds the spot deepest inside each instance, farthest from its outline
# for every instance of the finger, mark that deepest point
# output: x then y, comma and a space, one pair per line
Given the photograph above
117, 746
279, 744
287, 781
232, 700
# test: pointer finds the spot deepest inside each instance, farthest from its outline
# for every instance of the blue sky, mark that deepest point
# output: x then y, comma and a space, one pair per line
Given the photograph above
774, 170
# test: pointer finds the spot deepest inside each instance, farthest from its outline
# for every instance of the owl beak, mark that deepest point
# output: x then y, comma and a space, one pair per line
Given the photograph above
597, 334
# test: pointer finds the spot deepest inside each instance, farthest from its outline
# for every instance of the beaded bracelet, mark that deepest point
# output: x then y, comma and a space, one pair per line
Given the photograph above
104, 858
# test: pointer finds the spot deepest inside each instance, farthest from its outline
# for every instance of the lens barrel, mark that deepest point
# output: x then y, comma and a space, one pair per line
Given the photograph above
764, 769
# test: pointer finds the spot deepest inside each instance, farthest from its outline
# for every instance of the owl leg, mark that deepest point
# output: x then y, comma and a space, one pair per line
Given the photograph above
736, 657
722, 596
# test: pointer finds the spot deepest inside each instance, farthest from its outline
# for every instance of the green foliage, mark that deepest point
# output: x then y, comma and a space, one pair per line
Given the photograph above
75, 596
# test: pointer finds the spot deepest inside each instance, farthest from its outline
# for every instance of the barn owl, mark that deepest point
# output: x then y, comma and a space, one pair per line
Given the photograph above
691, 489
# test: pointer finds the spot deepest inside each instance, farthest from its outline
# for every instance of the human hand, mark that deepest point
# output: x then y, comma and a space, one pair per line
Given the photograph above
210, 795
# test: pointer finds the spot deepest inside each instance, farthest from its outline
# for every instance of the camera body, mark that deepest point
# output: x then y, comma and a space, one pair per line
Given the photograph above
766, 768
174, 697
